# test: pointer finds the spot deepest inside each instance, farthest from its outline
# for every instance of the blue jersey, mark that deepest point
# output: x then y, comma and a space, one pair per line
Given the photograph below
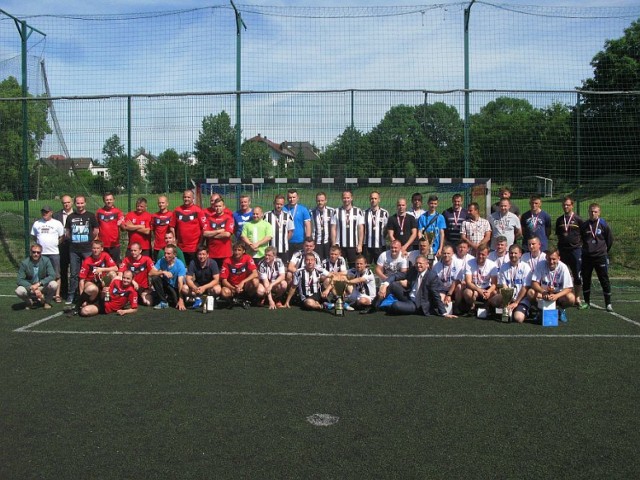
177, 270
300, 215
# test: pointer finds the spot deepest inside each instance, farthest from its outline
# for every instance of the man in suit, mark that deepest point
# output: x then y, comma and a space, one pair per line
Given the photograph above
64, 247
417, 291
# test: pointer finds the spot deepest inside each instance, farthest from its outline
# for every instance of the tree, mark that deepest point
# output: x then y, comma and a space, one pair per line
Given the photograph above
612, 119
11, 135
117, 163
348, 156
215, 147
256, 161
167, 172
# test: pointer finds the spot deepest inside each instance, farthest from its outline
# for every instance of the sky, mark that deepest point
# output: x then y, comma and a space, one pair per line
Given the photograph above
419, 50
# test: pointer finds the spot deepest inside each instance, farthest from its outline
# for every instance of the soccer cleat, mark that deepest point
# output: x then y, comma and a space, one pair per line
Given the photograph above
584, 306
197, 303
28, 304
348, 307
246, 304
609, 308
161, 306
562, 315
46, 306
328, 305
69, 300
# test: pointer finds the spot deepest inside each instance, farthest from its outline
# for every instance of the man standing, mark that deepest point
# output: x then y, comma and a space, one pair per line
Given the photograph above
475, 229
504, 223
375, 224
347, 228
570, 244
109, 220
321, 225
505, 194
432, 225
256, 234
218, 231
301, 221
49, 233
416, 211
402, 226
65, 245
81, 229
36, 279
243, 215
188, 223
281, 227
138, 225
536, 223
597, 240
160, 225
454, 216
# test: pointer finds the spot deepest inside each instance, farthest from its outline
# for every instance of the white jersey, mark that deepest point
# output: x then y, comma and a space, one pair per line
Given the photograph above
281, 225
375, 224
448, 274
271, 271
481, 275
298, 259
558, 280
321, 225
413, 255
465, 261
366, 288
309, 282
392, 265
48, 235
534, 262
499, 261
340, 265
516, 277
347, 224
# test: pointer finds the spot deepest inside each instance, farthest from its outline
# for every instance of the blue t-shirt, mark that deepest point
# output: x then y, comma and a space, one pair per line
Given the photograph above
535, 226
240, 218
300, 214
177, 270
427, 223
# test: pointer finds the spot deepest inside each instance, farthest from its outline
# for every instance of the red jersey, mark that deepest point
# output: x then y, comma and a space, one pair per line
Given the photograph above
87, 270
188, 224
220, 247
234, 271
120, 296
140, 269
210, 212
160, 223
144, 219
109, 226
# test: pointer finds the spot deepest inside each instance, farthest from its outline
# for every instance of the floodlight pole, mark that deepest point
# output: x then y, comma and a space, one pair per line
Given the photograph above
467, 154
239, 24
25, 32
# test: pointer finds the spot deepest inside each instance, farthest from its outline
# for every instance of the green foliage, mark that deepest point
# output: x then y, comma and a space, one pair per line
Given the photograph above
216, 145
349, 155
167, 173
117, 163
11, 124
256, 161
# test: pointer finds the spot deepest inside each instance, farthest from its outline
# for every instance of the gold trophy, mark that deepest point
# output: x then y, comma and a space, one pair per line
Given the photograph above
430, 256
339, 286
507, 296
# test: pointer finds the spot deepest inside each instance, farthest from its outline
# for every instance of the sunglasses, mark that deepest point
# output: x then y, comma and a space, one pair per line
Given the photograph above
35, 252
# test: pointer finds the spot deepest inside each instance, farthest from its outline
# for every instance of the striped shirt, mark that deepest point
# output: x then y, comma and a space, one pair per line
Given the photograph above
347, 224
298, 259
375, 223
321, 224
309, 282
368, 287
271, 271
281, 225
340, 265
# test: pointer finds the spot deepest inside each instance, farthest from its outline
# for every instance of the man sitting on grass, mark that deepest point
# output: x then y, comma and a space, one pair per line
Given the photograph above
96, 273
121, 293
140, 265
36, 279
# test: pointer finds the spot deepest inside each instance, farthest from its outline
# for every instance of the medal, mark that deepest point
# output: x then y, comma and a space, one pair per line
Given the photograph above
593, 241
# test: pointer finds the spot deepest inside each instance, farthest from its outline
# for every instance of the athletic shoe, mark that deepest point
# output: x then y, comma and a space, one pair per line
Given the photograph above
28, 304
197, 303
368, 310
161, 306
562, 315
69, 300
348, 307
46, 306
584, 306
328, 305
246, 304
609, 308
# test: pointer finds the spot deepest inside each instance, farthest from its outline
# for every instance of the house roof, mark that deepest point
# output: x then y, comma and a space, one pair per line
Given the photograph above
66, 164
309, 152
277, 147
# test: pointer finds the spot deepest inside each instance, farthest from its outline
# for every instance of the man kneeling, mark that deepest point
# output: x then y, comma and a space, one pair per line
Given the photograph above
121, 293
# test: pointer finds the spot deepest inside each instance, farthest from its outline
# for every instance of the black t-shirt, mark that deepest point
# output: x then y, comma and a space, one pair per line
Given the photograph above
80, 228
402, 227
202, 275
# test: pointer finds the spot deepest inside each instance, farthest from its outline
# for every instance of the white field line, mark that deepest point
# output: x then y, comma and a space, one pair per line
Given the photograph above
615, 314
37, 322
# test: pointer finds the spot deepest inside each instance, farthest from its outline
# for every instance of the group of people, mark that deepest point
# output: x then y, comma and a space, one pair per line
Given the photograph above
415, 260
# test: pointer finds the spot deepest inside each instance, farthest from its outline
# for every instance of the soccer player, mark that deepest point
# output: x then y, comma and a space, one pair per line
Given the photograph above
402, 226
218, 231
239, 276
536, 223
570, 244
203, 278
297, 259
416, 211
141, 266
138, 226
301, 220
272, 277
424, 248
49, 233
597, 240
500, 255
535, 255
454, 216
308, 282
188, 223
243, 215
450, 271
121, 293
475, 229
432, 222
347, 228
361, 286
36, 279
170, 239
256, 235
81, 229
160, 225
96, 272
551, 281
321, 225
504, 223
110, 219
337, 266
505, 194
375, 223
282, 228
481, 278
392, 261
167, 279
516, 275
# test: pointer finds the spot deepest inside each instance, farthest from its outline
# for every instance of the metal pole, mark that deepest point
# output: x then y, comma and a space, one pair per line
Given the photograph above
239, 24
467, 153
578, 147
129, 160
